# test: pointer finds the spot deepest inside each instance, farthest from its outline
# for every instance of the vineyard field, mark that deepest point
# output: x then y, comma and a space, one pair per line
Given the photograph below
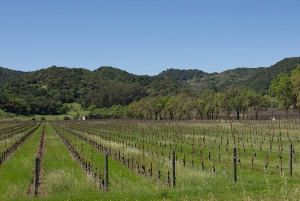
150, 160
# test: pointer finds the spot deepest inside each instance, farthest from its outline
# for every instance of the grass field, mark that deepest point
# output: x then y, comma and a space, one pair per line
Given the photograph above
17, 172
74, 108
150, 143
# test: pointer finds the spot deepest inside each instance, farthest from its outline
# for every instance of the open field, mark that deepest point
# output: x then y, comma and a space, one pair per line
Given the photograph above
140, 160
74, 108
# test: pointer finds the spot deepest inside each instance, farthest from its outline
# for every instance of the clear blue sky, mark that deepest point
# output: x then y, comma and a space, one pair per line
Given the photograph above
147, 37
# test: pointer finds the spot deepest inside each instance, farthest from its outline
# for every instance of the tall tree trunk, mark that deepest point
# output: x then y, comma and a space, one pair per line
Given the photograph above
199, 111
228, 113
237, 114
244, 111
256, 114
286, 112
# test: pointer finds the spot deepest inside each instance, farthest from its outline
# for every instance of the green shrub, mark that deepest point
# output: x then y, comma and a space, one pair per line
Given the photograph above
67, 118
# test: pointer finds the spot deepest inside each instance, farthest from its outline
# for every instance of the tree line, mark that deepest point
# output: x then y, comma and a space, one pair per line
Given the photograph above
46, 91
115, 93
207, 105
283, 93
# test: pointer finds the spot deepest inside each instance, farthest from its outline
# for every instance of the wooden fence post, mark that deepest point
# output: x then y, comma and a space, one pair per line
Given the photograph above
36, 175
291, 159
106, 172
234, 164
173, 169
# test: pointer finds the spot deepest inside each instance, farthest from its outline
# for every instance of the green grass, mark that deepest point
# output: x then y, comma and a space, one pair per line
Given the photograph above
74, 108
65, 180
17, 171
123, 183
5, 115
63, 177
4, 144
193, 183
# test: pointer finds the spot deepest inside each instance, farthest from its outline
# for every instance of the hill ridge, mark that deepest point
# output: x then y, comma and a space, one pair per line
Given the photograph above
46, 90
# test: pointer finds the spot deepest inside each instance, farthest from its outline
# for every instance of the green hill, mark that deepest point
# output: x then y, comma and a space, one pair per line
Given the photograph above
261, 80
47, 90
258, 79
7, 75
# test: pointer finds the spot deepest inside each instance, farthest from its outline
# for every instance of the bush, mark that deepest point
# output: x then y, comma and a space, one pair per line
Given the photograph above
43, 118
67, 118
76, 116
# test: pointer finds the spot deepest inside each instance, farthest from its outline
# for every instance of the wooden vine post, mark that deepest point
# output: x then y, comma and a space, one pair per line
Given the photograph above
173, 169
36, 175
234, 164
291, 159
106, 172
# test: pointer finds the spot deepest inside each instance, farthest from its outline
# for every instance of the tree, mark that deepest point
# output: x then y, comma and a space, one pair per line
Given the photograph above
64, 109
239, 101
183, 107
217, 103
154, 107
233, 99
225, 103
171, 105
272, 102
199, 105
256, 101
76, 116
208, 98
67, 118
147, 107
116, 111
135, 110
91, 108
283, 89
245, 99
295, 79
160, 105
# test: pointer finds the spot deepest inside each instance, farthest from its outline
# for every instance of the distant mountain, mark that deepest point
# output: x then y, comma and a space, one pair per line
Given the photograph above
183, 75
45, 91
261, 80
258, 79
7, 75
200, 80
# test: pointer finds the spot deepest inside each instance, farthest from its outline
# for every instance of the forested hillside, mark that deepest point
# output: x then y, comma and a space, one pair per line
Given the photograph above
201, 81
258, 79
45, 91
7, 75
261, 80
